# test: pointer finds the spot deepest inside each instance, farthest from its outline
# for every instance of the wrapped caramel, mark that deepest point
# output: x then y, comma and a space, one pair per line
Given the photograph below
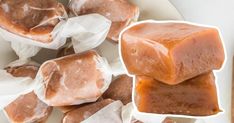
27, 107
31, 19
104, 111
120, 12
73, 79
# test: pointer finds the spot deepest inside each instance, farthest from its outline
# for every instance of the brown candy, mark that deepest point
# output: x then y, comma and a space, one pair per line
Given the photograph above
74, 79
196, 97
84, 112
26, 108
120, 12
22, 17
120, 89
23, 71
171, 52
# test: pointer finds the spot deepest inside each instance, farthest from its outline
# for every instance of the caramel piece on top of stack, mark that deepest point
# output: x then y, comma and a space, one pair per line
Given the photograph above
171, 52
196, 96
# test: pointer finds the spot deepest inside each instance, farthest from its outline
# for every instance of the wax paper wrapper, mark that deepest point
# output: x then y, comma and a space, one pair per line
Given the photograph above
12, 87
87, 31
79, 78
42, 29
109, 114
24, 52
110, 51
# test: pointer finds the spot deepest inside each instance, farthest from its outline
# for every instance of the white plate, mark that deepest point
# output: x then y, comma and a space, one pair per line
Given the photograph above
150, 9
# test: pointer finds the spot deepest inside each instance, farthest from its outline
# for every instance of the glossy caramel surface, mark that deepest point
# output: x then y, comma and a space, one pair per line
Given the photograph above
171, 52
195, 97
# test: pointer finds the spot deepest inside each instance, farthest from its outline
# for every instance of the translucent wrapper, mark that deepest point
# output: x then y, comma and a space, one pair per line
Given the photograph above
12, 87
24, 52
69, 70
87, 32
112, 57
126, 113
109, 114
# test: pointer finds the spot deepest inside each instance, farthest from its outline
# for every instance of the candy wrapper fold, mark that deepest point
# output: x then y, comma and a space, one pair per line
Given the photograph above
109, 114
12, 87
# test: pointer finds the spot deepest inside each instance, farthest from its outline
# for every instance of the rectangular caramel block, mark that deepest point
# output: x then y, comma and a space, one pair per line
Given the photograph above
195, 97
171, 52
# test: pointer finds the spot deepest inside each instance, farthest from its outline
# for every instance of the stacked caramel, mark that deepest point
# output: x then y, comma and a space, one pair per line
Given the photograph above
173, 64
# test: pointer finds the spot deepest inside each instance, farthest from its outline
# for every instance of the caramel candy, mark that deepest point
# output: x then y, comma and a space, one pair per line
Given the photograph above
80, 114
195, 97
33, 19
26, 108
120, 89
23, 71
171, 52
74, 79
120, 12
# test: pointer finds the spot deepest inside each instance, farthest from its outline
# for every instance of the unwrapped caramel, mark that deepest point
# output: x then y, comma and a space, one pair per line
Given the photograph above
195, 97
120, 89
171, 52
73, 79
84, 112
120, 12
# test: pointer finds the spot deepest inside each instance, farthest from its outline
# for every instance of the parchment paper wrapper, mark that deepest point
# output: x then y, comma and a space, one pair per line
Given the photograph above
109, 114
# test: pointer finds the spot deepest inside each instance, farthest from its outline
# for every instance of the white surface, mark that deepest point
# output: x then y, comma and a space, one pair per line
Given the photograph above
219, 13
